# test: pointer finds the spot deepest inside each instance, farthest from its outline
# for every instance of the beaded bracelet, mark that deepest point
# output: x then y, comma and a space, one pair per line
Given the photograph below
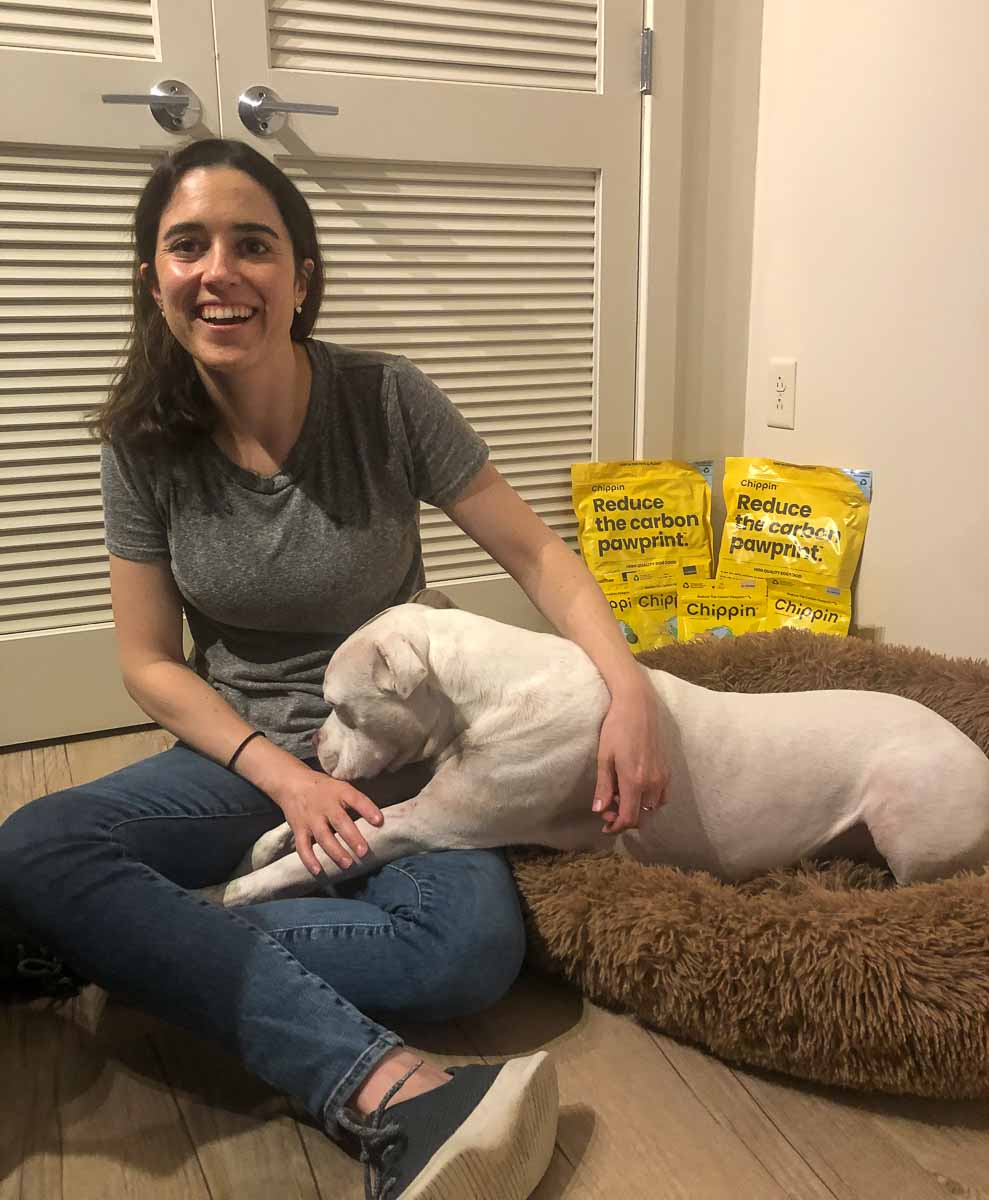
236, 754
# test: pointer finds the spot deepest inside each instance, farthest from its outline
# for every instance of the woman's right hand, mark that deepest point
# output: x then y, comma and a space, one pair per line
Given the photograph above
316, 808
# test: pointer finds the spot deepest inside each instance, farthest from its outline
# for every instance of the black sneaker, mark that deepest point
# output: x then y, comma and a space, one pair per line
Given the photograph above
488, 1134
29, 970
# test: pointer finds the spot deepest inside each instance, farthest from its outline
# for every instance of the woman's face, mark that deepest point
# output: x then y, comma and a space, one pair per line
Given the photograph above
225, 274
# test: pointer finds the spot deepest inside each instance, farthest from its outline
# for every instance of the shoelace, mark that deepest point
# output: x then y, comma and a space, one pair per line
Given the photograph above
376, 1140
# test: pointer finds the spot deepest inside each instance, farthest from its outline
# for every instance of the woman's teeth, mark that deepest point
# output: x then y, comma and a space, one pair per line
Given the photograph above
216, 314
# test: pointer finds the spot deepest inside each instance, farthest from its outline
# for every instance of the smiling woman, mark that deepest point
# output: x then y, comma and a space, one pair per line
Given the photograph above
229, 289
215, 271
268, 485
223, 240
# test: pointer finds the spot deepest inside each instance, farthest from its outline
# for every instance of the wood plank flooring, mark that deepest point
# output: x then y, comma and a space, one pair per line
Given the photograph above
99, 1102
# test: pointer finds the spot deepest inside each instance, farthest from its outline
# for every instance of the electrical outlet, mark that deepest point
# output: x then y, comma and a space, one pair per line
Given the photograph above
781, 411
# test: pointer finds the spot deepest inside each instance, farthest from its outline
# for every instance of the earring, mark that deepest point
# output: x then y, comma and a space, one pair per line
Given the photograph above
298, 309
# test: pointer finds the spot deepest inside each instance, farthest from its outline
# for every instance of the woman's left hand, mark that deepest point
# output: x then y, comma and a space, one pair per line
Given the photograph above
632, 768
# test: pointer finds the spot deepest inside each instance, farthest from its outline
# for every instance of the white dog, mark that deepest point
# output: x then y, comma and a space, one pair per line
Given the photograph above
510, 719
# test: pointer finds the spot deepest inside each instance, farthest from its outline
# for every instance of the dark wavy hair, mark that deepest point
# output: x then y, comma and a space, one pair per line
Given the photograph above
157, 398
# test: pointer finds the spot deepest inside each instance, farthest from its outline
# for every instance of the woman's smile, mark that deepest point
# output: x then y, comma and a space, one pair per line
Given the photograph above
217, 314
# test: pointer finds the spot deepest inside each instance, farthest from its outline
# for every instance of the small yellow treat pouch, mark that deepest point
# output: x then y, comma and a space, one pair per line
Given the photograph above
720, 608
808, 606
645, 606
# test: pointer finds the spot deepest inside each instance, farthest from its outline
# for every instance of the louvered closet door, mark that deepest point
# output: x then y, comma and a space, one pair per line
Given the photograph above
71, 168
477, 198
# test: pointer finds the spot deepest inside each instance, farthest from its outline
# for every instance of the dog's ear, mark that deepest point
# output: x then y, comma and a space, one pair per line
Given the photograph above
398, 668
432, 598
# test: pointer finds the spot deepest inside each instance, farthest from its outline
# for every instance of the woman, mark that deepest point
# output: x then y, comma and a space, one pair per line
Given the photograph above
268, 485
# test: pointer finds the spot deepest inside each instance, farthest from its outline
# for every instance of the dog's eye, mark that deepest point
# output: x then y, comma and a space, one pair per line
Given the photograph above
344, 715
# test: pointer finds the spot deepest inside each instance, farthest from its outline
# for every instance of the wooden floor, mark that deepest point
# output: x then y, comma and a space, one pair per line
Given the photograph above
98, 1102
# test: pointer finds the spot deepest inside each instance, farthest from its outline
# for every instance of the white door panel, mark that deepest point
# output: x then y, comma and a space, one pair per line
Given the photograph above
57, 58
477, 198
71, 169
512, 42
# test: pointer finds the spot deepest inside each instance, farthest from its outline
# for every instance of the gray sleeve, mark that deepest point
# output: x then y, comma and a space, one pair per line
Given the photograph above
445, 452
134, 528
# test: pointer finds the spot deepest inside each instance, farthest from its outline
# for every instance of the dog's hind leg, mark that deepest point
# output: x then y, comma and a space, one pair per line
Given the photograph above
928, 810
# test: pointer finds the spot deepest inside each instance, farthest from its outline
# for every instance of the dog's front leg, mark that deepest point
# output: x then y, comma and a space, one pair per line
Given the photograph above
407, 829
385, 790
269, 847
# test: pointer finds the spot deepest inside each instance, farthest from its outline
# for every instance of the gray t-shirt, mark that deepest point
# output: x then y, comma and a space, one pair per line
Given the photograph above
275, 571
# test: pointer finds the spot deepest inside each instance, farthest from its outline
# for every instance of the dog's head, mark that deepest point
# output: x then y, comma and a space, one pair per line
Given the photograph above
385, 710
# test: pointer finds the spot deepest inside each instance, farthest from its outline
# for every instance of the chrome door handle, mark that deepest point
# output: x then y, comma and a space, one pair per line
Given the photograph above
173, 104
261, 111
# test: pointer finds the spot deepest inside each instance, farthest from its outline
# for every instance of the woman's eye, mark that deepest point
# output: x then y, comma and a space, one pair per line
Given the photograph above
256, 246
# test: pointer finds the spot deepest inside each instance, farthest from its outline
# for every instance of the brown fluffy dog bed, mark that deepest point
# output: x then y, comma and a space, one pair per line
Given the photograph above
828, 971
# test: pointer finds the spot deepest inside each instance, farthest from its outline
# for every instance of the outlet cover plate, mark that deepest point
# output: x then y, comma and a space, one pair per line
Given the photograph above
782, 396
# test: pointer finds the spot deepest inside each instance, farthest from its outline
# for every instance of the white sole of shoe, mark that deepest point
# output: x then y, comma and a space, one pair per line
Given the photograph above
503, 1148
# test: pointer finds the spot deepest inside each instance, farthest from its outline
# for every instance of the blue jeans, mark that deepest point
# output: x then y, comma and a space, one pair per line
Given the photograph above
295, 988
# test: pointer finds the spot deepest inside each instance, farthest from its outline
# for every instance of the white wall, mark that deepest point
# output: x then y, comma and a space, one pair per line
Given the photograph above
871, 267
722, 47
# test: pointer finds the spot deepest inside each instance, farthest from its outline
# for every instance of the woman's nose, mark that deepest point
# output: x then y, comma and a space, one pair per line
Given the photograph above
220, 265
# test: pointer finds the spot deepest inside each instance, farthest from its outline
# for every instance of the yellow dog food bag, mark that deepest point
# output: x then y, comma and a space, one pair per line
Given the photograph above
789, 522
654, 516
645, 606
720, 608
808, 606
